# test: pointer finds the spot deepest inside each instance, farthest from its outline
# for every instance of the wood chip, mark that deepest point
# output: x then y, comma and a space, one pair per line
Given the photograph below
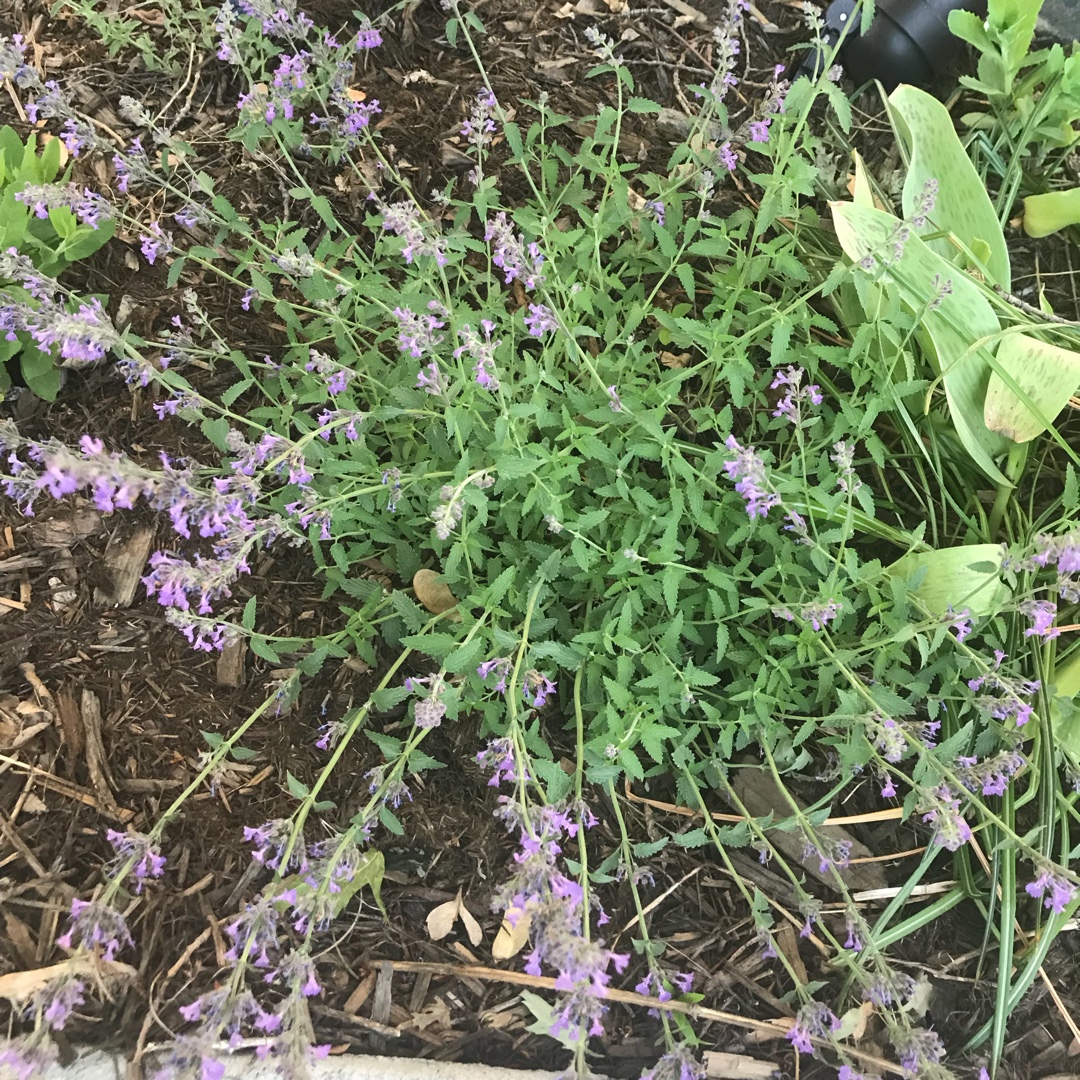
96, 758
124, 562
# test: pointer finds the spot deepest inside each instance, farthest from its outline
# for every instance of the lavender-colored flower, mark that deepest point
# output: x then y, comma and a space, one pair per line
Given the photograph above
1004, 698
306, 511
348, 420
156, 243
918, 1049
393, 791
813, 1021
886, 735
676, 1064
759, 130
888, 988
482, 351
816, 614
417, 333
1056, 891
924, 203
791, 406
204, 635
960, 621
13, 66
138, 851
27, 1056
537, 688
727, 157
658, 211
406, 220
431, 380
1042, 614
130, 165
614, 401
367, 37
940, 288
500, 666
941, 807
88, 207
556, 908
752, 483
843, 457
766, 943
991, 776
271, 845
829, 853
500, 759
511, 254
480, 127
95, 924
57, 1000
540, 321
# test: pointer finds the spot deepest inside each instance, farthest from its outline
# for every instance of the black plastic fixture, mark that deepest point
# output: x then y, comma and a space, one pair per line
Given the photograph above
908, 41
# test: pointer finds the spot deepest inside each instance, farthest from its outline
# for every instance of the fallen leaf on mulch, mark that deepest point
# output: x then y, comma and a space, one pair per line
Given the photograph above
18, 986
512, 935
440, 920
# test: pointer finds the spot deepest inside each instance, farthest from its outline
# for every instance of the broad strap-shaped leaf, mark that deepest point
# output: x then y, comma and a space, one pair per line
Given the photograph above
950, 332
1047, 374
957, 578
1054, 210
963, 206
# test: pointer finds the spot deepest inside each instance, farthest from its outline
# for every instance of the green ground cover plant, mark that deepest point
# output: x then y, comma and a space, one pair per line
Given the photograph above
51, 238
774, 550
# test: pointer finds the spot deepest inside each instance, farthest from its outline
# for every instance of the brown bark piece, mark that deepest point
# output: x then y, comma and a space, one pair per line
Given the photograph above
96, 758
124, 562
230, 664
759, 794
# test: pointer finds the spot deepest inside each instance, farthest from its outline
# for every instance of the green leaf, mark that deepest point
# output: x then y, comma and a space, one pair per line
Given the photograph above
950, 332
962, 206
1046, 375
1054, 210
297, 788
261, 648
370, 870
957, 577
247, 620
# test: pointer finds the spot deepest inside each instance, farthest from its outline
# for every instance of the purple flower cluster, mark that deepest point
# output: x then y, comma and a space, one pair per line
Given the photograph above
555, 905
540, 321
482, 352
31, 1055
75, 338
1042, 614
888, 988
417, 333
791, 405
89, 208
992, 775
57, 1000
960, 621
752, 484
813, 1021
940, 807
407, 221
1062, 552
1003, 698
510, 253
336, 376
499, 666
817, 614
430, 691
138, 851
499, 758
94, 925
919, 1050
479, 129
677, 1064
1055, 891
843, 457
831, 854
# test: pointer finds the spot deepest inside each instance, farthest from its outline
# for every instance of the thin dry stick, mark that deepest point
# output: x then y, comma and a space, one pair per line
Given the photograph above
659, 900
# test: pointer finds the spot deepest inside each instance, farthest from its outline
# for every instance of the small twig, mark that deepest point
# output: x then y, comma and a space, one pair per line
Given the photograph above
1032, 309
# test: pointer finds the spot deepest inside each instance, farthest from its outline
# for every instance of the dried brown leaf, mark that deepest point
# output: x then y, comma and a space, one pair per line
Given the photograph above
434, 594
512, 935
